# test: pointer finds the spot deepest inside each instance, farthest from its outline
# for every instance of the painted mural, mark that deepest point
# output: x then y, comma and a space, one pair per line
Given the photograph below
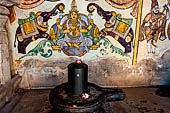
27, 4
154, 29
115, 26
74, 33
59, 31
68, 31
122, 4
34, 27
116, 33
65, 29
153, 26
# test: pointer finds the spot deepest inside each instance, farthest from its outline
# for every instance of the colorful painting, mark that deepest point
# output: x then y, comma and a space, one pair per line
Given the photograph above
74, 33
134, 12
58, 32
27, 4
44, 48
121, 4
115, 26
107, 48
93, 30
153, 27
34, 27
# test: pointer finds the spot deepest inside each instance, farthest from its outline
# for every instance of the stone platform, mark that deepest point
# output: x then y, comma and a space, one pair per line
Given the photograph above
138, 100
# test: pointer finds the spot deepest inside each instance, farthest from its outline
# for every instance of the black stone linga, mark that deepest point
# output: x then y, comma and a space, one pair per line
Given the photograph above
77, 78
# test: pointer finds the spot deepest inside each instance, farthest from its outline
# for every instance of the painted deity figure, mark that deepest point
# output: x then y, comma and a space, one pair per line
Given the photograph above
153, 27
74, 29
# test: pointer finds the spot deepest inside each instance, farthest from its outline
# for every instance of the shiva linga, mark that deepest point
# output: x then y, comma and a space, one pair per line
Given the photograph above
80, 96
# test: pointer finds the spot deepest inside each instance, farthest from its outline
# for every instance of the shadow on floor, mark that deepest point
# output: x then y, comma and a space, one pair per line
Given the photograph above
163, 91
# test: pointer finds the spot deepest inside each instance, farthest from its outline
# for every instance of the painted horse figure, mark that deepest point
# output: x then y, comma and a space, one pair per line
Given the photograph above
34, 27
115, 26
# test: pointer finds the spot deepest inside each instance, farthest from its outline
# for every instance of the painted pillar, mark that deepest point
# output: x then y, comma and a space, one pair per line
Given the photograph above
137, 33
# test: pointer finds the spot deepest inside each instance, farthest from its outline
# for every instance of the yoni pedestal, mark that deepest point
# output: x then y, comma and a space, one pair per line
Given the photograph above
71, 97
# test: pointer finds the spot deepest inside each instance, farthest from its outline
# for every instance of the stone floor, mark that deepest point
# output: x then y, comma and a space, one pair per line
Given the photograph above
138, 100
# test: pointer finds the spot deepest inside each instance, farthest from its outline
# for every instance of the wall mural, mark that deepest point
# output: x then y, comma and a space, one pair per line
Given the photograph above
122, 4
124, 32
97, 31
74, 33
153, 26
115, 26
27, 4
34, 27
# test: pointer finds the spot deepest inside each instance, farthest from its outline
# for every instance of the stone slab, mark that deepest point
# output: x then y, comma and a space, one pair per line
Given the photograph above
8, 90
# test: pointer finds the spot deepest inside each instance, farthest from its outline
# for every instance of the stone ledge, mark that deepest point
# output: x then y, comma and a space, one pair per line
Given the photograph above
8, 90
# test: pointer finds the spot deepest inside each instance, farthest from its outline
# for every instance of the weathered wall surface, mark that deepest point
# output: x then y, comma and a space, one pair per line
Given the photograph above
45, 37
5, 70
105, 72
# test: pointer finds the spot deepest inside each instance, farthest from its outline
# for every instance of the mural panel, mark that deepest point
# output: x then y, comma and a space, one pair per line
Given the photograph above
153, 26
58, 31
33, 28
154, 29
74, 33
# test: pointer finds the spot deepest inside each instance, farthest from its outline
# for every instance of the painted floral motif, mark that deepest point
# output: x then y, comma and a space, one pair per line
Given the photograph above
44, 48
106, 47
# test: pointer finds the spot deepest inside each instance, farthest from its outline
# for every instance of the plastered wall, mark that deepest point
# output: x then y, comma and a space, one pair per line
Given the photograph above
125, 43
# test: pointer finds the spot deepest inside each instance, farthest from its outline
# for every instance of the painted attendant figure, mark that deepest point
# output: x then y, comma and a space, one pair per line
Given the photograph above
153, 27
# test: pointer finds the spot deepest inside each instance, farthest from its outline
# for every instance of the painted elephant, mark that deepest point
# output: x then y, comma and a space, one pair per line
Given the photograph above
115, 26
34, 27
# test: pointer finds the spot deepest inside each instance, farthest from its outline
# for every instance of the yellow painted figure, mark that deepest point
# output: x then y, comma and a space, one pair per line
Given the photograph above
74, 33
